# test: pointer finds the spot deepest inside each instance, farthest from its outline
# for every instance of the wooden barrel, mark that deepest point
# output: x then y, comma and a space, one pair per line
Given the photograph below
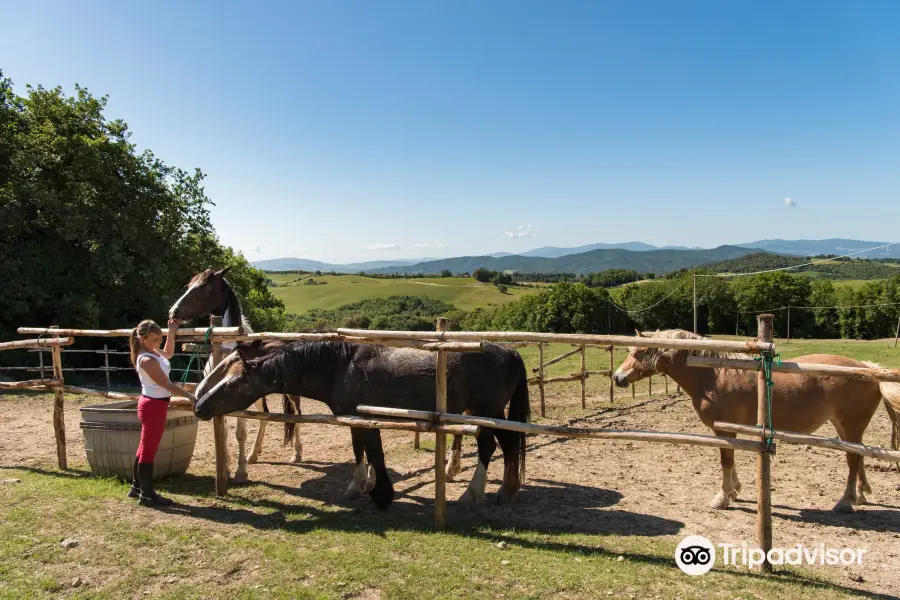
112, 433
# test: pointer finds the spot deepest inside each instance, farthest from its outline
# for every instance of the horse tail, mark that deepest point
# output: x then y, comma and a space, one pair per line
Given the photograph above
520, 410
890, 395
288, 406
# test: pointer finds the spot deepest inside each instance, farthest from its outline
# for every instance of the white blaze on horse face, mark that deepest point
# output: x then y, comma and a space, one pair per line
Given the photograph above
214, 376
178, 302
215, 388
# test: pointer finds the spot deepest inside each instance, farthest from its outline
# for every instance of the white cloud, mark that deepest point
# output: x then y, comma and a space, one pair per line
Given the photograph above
383, 246
789, 202
522, 231
428, 246
255, 249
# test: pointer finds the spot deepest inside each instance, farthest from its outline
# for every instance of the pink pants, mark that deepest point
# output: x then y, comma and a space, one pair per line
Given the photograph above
152, 414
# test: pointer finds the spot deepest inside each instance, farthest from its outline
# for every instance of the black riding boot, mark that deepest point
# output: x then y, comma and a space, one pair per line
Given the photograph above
148, 496
135, 490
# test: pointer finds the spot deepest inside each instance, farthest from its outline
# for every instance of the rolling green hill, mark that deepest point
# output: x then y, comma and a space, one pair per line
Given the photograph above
333, 291
653, 261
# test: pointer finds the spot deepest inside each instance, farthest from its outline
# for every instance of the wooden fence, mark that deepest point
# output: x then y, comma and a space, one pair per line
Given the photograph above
441, 422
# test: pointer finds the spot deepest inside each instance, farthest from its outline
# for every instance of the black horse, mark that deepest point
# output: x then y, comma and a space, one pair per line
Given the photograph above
343, 375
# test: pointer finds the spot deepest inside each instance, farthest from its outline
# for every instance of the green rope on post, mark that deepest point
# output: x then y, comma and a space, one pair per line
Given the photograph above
187, 371
768, 429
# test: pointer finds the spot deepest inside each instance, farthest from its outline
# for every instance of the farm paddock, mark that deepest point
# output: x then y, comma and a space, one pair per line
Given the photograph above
289, 533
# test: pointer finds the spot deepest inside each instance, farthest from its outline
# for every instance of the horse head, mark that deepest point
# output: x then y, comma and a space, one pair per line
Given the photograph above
206, 293
237, 382
639, 364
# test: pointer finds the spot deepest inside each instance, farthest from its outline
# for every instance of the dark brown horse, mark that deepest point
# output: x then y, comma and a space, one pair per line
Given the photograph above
800, 403
344, 375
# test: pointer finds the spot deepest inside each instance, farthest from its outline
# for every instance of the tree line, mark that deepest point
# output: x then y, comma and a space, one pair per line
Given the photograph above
724, 306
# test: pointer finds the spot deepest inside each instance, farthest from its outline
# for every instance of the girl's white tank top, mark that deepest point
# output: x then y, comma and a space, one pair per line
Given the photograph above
148, 386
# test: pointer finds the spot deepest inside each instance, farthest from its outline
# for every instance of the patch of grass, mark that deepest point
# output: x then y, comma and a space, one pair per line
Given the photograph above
261, 543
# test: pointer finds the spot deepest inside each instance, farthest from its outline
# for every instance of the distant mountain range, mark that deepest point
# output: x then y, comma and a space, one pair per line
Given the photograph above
302, 264
591, 258
649, 261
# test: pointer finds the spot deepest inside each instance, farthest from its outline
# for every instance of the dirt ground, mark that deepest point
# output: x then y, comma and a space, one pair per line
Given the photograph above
584, 486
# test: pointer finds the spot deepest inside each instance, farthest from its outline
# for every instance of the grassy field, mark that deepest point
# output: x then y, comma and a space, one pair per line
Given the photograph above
337, 290
255, 544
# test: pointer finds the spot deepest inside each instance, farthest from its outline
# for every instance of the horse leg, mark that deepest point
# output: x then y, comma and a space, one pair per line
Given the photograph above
260, 435
509, 445
455, 466
474, 494
241, 434
383, 491
854, 464
730, 484
358, 484
862, 485
298, 442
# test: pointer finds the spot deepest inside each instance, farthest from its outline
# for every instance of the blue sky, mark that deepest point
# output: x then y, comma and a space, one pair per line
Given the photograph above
347, 131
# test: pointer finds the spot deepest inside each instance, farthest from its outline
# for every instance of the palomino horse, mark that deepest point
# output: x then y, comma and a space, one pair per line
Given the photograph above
209, 292
343, 375
800, 403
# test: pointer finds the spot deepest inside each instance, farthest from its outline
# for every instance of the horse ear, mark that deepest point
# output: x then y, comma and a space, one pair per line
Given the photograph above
221, 272
638, 333
247, 350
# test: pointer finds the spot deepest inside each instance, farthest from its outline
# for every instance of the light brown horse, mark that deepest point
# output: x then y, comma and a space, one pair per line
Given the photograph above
800, 403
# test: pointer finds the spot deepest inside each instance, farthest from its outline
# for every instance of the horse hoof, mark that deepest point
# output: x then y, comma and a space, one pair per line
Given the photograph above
297, 458
860, 499
843, 507
382, 494
720, 502
505, 497
352, 492
252, 459
240, 478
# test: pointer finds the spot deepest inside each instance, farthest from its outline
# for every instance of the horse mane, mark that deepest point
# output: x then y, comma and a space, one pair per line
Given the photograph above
681, 334
291, 361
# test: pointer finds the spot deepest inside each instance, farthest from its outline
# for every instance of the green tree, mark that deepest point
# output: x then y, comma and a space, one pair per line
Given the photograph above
92, 232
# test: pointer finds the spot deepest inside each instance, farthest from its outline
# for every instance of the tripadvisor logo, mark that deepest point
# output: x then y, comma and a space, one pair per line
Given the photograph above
696, 555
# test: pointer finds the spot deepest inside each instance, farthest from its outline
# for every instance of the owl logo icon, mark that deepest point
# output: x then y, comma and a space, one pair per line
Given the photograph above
695, 555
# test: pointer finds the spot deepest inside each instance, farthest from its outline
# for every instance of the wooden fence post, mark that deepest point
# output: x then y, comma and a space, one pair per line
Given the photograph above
897, 335
583, 380
666, 382
650, 386
763, 465
59, 421
221, 441
541, 377
632, 391
612, 365
440, 440
41, 360
106, 364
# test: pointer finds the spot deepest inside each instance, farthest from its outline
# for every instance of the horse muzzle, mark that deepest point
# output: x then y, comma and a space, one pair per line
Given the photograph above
620, 379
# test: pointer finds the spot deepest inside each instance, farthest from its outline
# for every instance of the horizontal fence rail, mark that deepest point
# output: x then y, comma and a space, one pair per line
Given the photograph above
690, 439
750, 346
865, 373
793, 437
38, 343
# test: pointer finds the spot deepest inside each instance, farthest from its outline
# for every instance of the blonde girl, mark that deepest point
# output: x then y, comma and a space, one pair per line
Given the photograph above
151, 361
